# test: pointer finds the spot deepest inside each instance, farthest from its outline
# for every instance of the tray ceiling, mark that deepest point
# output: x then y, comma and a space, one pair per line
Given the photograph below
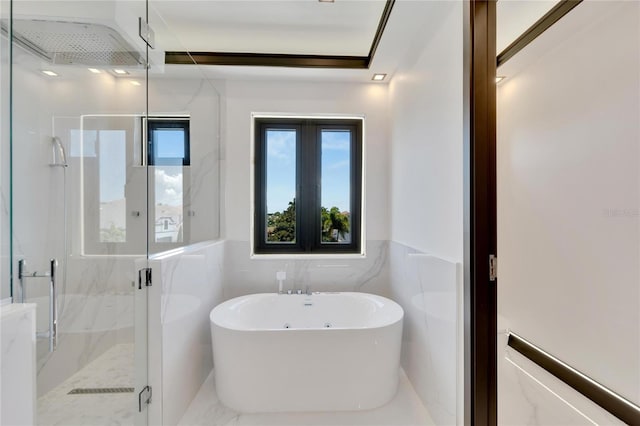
300, 27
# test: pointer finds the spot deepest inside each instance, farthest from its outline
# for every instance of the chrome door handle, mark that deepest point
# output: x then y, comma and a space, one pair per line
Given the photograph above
52, 334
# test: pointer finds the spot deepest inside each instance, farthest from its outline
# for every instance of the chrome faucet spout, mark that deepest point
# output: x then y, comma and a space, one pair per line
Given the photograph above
280, 277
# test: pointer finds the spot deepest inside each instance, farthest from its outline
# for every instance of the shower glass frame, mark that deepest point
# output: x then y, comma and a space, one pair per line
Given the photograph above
102, 298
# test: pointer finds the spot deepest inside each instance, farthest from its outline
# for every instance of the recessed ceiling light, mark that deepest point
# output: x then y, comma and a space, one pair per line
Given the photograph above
500, 78
135, 83
95, 70
326, 1
120, 72
379, 77
49, 73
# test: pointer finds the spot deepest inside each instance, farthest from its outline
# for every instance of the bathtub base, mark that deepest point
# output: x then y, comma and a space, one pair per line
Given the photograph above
306, 353
343, 370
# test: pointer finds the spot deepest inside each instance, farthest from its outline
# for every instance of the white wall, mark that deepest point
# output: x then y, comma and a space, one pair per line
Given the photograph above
425, 193
426, 202
569, 195
244, 97
244, 275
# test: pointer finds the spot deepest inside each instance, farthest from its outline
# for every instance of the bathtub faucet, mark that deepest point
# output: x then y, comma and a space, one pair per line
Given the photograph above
306, 291
299, 291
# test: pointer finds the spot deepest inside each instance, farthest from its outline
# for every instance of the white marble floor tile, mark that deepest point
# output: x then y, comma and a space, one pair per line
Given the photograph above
404, 410
114, 368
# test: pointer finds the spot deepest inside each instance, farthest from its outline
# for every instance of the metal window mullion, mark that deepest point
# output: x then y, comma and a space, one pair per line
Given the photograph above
356, 186
308, 175
261, 188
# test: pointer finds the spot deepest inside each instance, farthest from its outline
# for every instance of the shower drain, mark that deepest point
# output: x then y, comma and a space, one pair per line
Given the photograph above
99, 390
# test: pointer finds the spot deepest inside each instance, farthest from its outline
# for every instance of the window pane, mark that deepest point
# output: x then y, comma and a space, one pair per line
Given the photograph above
169, 204
281, 186
336, 186
113, 176
169, 143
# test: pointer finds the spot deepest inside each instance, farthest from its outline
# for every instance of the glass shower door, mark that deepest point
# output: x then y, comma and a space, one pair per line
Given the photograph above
79, 204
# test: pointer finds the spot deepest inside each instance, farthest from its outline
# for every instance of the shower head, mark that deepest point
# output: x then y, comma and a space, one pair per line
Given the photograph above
59, 158
80, 43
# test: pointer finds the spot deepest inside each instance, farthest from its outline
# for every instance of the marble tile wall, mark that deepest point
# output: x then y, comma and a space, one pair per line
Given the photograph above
243, 275
429, 290
17, 364
187, 285
201, 190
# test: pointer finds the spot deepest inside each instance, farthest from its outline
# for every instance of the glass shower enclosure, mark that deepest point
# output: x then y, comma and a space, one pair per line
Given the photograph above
80, 181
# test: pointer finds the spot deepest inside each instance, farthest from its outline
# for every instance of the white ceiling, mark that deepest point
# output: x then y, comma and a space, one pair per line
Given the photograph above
346, 27
271, 23
410, 24
122, 15
514, 17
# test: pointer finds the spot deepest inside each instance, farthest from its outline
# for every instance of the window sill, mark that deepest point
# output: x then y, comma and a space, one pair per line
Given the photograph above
319, 256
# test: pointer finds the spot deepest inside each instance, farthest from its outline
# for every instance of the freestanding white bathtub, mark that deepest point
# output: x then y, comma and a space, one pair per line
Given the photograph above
319, 352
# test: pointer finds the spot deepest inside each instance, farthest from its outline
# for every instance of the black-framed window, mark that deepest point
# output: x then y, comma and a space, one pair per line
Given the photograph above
168, 141
308, 185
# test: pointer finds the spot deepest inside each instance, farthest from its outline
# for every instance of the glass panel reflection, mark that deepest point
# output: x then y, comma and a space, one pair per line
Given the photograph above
169, 207
112, 166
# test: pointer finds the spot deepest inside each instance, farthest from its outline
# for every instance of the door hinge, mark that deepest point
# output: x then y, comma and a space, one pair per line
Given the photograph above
144, 276
144, 397
493, 267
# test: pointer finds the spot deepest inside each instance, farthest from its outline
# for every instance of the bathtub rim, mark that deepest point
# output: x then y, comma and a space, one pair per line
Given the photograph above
317, 329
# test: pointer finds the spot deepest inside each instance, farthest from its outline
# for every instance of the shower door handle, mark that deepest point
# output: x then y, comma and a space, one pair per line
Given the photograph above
52, 334
53, 306
21, 276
